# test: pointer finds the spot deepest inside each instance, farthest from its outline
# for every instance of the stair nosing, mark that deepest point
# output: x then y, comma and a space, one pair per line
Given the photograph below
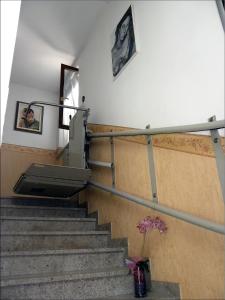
65, 276
48, 219
54, 233
42, 207
62, 252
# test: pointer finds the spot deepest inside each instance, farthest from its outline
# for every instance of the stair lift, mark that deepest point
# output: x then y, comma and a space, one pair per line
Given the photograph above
61, 181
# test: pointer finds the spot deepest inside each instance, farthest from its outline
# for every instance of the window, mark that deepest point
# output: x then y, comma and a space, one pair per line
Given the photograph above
69, 94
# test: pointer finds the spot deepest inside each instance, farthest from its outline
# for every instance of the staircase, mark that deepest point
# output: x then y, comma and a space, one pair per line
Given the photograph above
51, 249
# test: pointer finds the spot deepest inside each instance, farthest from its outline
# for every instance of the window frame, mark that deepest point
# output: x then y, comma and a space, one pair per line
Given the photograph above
61, 99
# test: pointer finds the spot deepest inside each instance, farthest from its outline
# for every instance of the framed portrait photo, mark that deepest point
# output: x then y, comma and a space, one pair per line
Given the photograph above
123, 42
221, 10
30, 122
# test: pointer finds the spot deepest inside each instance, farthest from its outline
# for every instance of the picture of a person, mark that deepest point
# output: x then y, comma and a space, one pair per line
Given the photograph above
28, 121
124, 46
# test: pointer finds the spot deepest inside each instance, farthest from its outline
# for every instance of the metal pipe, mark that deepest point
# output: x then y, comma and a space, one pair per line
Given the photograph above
151, 166
113, 162
163, 209
220, 159
57, 105
100, 163
175, 129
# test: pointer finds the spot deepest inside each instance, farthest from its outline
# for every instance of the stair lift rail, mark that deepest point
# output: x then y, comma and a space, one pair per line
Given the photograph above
163, 209
213, 127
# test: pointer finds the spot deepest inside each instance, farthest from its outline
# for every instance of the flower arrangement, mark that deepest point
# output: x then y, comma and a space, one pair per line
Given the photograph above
140, 265
148, 224
144, 226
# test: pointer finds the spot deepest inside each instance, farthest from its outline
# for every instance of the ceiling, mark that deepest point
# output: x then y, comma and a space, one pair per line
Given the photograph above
50, 33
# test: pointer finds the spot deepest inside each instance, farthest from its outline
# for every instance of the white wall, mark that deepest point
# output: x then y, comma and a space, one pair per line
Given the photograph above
49, 137
10, 11
176, 78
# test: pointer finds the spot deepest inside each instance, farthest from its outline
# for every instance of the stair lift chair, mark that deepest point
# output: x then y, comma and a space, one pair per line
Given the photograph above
61, 181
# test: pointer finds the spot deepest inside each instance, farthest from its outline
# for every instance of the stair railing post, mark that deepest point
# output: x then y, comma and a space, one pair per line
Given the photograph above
151, 166
219, 154
112, 161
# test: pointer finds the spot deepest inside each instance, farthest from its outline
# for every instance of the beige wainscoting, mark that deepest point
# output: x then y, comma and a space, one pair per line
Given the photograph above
16, 159
186, 180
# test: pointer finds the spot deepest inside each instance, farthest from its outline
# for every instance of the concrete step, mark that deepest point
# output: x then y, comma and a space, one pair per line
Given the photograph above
41, 211
40, 201
38, 240
82, 285
47, 224
159, 291
57, 261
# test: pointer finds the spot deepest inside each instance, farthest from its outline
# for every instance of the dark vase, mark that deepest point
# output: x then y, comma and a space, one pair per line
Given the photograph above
147, 275
139, 281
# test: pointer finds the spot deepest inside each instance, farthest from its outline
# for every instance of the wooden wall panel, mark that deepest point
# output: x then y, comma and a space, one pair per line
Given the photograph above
187, 254
16, 159
190, 183
132, 174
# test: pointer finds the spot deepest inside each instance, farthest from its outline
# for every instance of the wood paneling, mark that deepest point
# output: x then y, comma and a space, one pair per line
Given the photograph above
16, 159
187, 254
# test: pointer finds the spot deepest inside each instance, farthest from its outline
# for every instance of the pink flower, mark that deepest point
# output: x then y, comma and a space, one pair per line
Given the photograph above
149, 223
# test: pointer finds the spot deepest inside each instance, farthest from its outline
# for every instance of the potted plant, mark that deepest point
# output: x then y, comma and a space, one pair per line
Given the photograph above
139, 266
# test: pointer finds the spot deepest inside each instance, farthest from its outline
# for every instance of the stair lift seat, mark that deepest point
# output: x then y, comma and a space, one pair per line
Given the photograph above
52, 181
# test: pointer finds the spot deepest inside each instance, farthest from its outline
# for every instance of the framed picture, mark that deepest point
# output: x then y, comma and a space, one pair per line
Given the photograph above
123, 43
33, 122
221, 9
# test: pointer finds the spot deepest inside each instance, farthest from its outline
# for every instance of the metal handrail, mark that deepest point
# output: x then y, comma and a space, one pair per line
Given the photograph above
213, 126
166, 130
57, 105
163, 209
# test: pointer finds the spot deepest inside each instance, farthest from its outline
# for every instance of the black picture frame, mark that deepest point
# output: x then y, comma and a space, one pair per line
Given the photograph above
221, 10
34, 121
123, 42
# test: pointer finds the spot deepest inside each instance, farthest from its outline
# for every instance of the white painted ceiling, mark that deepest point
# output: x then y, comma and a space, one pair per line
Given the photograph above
51, 33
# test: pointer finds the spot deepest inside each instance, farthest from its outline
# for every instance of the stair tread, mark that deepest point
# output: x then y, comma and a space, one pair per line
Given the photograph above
62, 251
58, 219
158, 291
153, 295
43, 207
65, 276
61, 233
